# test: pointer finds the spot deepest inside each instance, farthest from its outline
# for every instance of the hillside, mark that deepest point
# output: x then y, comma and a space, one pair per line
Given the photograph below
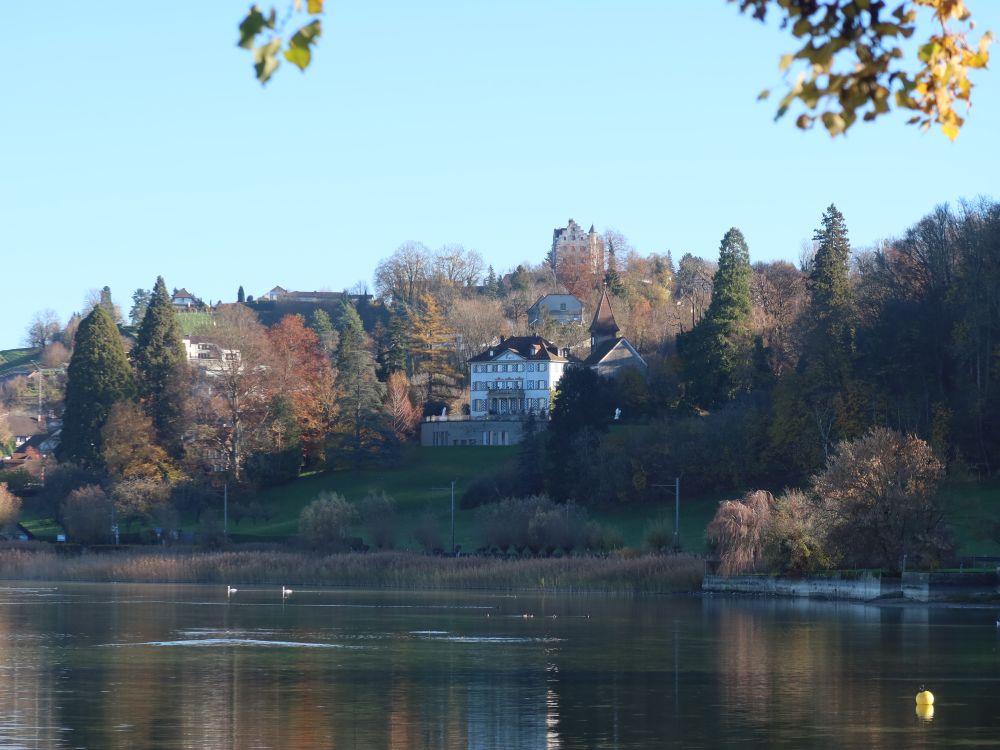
17, 360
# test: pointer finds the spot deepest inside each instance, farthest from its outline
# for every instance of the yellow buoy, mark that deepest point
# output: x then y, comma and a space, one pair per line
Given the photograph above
925, 698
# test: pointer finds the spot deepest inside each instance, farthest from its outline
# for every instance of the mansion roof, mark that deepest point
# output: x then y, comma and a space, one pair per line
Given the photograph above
526, 347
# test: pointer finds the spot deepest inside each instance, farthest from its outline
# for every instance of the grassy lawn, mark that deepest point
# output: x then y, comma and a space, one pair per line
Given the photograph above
973, 509
190, 322
421, 483
12, 359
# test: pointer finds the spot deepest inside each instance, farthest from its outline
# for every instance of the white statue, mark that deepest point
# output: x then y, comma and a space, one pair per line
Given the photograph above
618, 413
444, 411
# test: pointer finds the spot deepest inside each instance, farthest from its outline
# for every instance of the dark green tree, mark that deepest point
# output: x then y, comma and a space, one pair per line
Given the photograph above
241, 296
99, 376
718, 353
361, 426
829, 346
161, 368
581, 405
394, 346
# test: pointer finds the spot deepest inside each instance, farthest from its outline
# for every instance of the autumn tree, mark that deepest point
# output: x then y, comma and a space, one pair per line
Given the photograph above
161, 366
403, 414
304, 380
129, 448
431, 346
879, 494
99, 376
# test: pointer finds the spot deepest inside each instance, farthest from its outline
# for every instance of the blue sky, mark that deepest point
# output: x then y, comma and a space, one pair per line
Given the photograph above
136, 142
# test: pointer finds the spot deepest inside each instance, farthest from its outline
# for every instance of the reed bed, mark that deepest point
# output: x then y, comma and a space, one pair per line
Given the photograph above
648, 574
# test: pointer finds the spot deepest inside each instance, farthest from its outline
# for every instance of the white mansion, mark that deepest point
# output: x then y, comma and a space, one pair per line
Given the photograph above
517, 376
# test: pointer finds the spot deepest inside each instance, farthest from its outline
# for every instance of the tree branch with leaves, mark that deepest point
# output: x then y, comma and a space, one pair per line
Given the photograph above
852, 62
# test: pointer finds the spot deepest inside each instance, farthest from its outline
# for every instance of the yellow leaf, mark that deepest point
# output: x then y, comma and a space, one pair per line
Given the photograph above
315, 6
950, 130
786, 60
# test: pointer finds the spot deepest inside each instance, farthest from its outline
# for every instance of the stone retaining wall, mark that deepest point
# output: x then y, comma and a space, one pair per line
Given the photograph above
862, 588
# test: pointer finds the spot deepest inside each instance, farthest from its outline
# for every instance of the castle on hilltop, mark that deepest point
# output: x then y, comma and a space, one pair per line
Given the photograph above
571, 246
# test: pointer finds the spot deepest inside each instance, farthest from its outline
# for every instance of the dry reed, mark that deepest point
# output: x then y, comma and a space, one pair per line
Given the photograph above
648, 574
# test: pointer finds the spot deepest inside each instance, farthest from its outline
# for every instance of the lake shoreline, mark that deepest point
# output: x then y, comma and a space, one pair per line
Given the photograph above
616, 574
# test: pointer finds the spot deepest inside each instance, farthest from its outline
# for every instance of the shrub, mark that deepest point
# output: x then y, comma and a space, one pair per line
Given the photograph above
659, 535
323, 524
427, 533
378, 511
10, 507
86, 515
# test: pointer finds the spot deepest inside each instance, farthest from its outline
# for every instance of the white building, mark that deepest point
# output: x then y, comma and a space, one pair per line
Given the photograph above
517, 376
208, 356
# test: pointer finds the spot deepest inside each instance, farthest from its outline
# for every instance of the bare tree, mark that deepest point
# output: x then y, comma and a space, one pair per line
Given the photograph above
238, 384
476, 321
43, 329
457, 266
403, 276
778, 293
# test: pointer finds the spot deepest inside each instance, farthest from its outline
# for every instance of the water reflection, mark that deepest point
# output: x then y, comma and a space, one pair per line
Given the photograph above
179, 667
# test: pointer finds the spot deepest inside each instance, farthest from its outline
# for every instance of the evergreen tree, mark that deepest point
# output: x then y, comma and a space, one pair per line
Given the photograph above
718, 353
394, 355
490, 285
320, 322
161, 366
109, 305
828, 350
241, 296
361, 423
612, 279
99, 376
140, 301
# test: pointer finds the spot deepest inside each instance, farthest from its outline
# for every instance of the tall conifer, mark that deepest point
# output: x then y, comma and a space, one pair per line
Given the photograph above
161, 366
361, 423
828, 351
99, 376
718, 352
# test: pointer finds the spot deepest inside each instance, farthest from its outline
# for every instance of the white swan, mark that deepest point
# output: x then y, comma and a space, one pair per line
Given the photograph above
230, 590
285, 592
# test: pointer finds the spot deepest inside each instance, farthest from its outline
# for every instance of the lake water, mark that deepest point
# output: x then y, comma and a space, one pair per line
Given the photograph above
162, 666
